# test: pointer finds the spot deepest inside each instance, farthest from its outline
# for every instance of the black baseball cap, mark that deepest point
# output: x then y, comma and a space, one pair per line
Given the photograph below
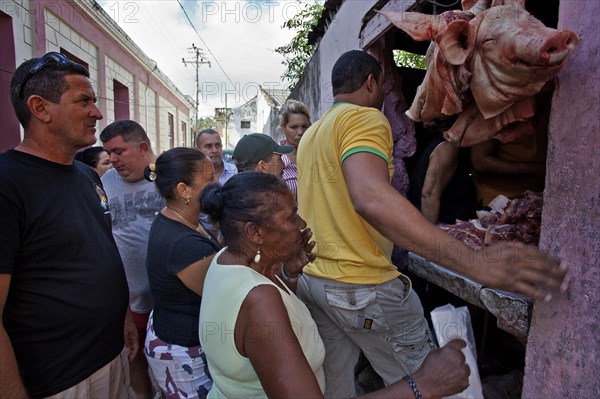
256, 146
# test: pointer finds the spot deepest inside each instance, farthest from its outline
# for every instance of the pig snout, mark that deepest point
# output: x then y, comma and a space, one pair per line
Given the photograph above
556, 48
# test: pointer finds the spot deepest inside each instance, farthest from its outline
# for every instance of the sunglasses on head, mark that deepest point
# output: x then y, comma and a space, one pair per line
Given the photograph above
44, 61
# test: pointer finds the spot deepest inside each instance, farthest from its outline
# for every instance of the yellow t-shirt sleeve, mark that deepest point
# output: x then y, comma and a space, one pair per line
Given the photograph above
365, 130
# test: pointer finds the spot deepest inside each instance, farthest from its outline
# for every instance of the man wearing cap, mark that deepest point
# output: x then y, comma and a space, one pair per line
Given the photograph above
258, 152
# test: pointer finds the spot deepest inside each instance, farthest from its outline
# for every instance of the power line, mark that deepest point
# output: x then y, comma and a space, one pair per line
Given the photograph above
207, 48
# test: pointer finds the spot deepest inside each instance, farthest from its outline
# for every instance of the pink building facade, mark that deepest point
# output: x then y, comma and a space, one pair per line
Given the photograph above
128, 84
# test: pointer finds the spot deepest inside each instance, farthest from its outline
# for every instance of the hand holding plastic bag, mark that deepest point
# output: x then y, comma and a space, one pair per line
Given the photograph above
455, 323
443, 372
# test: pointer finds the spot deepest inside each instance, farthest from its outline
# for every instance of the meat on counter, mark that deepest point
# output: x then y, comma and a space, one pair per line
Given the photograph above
518, 219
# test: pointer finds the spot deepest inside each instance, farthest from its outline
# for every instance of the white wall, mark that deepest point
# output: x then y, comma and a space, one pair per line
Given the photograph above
59, 34
263, 112
342, 35
22, 21
22, 18
246, 112
147, 109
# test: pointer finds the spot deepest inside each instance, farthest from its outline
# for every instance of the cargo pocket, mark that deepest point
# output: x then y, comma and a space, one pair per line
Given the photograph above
356, 309
410, 352
410, 336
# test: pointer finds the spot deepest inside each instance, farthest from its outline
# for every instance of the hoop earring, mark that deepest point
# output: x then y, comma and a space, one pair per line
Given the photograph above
257, 256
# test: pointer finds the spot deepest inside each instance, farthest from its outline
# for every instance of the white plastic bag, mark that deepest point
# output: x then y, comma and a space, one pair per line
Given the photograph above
451, 323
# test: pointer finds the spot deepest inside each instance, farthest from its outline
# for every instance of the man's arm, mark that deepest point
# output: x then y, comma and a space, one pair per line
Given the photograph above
485, 160
131, 335
506, 265
10, 380
443, 163
444, 372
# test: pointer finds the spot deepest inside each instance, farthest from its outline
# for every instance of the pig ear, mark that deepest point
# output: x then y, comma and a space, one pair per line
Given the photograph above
419, 26
457, 42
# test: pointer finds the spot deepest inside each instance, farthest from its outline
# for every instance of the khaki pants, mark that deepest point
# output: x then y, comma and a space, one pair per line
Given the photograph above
384, 321
110, 382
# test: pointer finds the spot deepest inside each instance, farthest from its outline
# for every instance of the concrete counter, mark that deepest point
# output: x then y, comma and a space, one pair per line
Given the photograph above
512, 310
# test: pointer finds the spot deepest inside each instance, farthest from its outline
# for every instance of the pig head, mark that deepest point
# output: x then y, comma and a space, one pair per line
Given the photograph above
486, 62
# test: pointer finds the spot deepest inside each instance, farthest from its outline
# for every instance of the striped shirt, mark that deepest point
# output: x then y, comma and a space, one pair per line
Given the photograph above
290, 174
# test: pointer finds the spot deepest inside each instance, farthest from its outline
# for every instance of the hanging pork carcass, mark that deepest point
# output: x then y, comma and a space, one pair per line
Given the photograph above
485, 64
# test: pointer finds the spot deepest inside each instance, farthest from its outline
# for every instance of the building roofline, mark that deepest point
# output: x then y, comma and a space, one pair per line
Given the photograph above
104, 20
331, 8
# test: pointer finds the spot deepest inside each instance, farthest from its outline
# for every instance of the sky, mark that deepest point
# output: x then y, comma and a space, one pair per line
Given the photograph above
238, 35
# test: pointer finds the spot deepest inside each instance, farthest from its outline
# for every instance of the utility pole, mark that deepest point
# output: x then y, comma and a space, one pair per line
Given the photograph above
226, 123
197, 60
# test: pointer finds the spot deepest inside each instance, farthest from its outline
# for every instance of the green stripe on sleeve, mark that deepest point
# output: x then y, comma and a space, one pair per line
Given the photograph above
364, 149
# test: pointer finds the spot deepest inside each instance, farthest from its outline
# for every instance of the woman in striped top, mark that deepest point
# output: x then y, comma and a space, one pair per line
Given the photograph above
294, 119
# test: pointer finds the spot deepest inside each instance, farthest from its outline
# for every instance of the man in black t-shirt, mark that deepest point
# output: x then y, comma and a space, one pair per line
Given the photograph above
63, 293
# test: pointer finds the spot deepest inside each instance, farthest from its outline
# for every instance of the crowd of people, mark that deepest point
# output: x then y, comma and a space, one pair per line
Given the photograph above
197, 277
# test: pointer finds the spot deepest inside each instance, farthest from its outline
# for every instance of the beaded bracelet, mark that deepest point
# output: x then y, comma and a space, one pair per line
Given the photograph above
408, 378
285, 277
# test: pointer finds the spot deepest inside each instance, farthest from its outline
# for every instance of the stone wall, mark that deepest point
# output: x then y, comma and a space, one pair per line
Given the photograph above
314, 88
308, 89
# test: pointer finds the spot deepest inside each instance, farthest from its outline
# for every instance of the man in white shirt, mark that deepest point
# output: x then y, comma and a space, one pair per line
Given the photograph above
134, 203
208, 141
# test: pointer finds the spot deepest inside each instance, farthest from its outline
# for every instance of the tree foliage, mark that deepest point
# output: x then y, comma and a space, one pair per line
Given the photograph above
205, 123
409, 60
298, 51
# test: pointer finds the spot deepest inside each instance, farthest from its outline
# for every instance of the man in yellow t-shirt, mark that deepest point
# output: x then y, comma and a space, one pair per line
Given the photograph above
353, 289
356, 296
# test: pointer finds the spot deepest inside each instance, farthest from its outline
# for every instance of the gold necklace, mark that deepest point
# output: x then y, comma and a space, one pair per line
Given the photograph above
199, 229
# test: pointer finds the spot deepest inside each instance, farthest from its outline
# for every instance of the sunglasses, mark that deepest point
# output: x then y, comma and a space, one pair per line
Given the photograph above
47, 59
